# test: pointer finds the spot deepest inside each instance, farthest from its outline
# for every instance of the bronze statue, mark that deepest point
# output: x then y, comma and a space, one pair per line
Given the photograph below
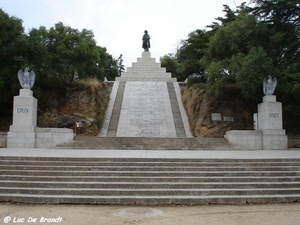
146, 41
26, 79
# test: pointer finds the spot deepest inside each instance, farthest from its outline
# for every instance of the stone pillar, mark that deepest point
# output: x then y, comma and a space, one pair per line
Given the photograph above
22, 132
270, 123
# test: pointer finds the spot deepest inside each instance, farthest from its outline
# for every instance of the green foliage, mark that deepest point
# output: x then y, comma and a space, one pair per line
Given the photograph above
58, 56
244, 47
191, 51
254, 68
172, 66
12, 57
195, 79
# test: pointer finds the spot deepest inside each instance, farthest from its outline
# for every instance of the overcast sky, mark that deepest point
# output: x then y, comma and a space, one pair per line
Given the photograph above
119, 25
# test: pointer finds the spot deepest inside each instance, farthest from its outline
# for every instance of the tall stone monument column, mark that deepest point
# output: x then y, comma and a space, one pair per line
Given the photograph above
22, 132
270, 123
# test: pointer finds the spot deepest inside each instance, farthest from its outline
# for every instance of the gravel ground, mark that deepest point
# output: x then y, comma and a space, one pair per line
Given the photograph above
281, 214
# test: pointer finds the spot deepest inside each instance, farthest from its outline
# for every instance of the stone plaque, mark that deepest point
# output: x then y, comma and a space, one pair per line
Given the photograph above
216, 117
146, 111
228, 119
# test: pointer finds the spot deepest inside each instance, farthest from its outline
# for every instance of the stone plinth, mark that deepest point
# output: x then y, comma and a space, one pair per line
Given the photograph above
269, 114
270, 123
22, 132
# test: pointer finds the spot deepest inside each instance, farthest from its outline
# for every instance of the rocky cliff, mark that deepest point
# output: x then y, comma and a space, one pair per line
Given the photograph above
86, 103
200, 105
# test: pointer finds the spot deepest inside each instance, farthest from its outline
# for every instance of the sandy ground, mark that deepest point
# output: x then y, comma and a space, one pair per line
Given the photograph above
282, 214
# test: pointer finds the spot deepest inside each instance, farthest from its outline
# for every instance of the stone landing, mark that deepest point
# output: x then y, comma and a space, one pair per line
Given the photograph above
145, 102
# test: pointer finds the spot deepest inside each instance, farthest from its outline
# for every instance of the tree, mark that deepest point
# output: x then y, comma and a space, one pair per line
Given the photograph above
120, 65
282, 18
228, 51
107, 66
64, 54
12, 47
192, 50
172, 66
278, 11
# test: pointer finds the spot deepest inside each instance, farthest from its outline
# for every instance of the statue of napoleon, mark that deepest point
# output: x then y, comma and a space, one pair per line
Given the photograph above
146, 41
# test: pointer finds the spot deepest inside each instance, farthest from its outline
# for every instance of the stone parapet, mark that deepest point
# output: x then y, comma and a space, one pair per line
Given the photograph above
51, 137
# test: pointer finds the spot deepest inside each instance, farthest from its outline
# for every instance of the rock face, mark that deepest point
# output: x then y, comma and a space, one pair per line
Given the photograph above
86, 103
200, 105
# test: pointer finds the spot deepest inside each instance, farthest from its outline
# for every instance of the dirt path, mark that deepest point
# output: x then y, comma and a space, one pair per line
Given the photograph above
283, 214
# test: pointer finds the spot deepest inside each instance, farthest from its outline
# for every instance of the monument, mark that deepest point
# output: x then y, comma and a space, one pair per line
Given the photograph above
24, 133
269, 134
145, 102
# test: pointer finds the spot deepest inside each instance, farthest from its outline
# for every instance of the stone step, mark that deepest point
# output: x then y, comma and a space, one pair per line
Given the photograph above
148, 181
146, 185
151, 179
149, 163
151, 173
136, 143
150, 200
142, 160
147, 168
149, 192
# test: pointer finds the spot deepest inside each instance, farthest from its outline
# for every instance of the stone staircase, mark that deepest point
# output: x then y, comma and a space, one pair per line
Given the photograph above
133, 181
146, 143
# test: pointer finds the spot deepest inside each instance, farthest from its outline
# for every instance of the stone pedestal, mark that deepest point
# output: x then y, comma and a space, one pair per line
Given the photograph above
269, 134
22, 132
270, 123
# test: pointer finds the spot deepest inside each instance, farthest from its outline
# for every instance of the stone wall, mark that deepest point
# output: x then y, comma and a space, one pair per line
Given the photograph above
45, 137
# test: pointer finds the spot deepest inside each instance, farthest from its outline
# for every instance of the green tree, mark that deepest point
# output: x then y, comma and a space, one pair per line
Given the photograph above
107, 66
63, 54
71, 53
229, 49
12, 47
173, 66
191, 51
254, 67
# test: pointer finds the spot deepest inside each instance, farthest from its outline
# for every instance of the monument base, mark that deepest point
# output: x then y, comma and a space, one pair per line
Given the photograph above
245, 139
269, 136
24, 133
274, 140
20, 139
258, 140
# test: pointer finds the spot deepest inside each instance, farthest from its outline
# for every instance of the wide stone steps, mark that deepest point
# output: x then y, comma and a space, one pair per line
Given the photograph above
148, 181
143, 143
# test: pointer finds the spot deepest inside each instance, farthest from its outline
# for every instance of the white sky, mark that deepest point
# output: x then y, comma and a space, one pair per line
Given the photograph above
119, 25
